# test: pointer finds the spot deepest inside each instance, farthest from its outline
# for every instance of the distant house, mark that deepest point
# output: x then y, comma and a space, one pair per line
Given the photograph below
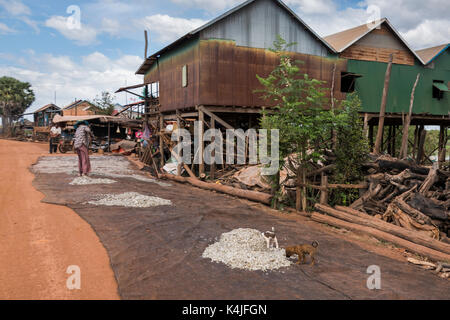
81, 108
43, 116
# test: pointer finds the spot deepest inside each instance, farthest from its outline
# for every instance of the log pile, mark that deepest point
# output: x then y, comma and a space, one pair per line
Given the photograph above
414, 197
359, 222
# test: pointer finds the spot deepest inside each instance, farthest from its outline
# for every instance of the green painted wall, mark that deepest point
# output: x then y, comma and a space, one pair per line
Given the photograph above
370, 86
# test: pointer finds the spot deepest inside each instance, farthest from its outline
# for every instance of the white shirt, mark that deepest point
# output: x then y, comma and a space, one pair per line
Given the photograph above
55, 130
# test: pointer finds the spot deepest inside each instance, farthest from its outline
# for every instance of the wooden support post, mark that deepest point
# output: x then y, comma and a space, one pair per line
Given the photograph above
179, 151
394, 139
366, 125
161, 140
201, 119
109, 136
416, 140
421, 150
387, 78
442, 145
406, 124
371, 136
389, 141
324, 190
213, 154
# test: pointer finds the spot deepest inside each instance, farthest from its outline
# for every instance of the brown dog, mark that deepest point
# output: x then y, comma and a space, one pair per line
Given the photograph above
302, 251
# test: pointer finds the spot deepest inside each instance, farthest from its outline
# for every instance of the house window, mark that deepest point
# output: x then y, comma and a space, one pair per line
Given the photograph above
438, 89
348, 81
184, 76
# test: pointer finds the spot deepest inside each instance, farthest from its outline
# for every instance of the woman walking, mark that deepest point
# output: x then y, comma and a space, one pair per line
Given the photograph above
82, 135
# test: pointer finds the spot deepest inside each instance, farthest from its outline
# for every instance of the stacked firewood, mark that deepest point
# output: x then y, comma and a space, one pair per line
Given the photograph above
414, 197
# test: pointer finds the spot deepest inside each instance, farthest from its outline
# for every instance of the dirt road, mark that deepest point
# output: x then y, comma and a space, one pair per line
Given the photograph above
40, 241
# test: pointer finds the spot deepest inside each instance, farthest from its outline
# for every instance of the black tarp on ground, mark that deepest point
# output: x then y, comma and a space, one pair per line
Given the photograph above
156, 252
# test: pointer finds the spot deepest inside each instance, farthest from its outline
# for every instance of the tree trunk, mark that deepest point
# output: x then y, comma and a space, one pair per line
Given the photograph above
354, 216
381, 235
387, 78
404, 147
246, 194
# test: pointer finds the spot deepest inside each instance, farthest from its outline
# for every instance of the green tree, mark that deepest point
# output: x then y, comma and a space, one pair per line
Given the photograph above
302, 118
15, 98
307, 124
352, 147
105, 103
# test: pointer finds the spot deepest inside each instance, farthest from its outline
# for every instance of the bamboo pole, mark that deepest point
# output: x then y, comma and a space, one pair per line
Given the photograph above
378, 141
404, 147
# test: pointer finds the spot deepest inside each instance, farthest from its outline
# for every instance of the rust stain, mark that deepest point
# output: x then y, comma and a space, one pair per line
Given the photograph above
223, 74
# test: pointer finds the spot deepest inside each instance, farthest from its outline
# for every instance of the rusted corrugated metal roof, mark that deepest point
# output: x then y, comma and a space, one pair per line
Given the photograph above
344, 39
429, 54
46, 107
150, 60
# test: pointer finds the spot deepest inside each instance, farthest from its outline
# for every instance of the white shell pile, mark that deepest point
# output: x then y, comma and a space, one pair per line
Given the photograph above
105, 166
246, 249
84, 180
130, 200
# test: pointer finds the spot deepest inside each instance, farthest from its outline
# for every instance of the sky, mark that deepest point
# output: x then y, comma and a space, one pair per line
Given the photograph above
77, 49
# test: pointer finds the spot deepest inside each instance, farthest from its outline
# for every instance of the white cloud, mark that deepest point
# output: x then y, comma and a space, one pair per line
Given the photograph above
421, 23
4, 29
20, 11
71, 80
83, 35
313, 6
169, 28
15, 7
429, 33
211, 6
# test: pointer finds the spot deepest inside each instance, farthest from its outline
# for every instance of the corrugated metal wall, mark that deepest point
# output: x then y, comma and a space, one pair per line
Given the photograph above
223, 74
257, 26
370, 86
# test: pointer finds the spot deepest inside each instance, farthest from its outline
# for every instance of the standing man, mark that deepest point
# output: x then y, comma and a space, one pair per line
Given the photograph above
55, 134
83, 136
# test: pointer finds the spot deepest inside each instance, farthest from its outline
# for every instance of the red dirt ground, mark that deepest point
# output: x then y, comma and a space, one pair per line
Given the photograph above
40, 241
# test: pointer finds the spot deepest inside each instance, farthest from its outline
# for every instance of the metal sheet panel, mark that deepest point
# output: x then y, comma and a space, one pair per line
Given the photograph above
258, 24
228, 72
370, 86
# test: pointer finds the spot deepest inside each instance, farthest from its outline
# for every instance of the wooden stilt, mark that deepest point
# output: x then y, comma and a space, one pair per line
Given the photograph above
324, 189
212, 171
161, 141
421, 150
366, 124
379, 140
201, 119
179, 151
442, 145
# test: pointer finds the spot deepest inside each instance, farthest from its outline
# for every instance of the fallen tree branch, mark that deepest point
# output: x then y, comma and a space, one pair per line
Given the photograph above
246, 194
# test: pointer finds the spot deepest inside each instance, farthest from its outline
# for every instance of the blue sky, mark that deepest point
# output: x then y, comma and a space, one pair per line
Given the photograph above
41, 42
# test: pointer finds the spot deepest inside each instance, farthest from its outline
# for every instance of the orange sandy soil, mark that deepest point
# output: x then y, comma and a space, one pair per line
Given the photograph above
39, 241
